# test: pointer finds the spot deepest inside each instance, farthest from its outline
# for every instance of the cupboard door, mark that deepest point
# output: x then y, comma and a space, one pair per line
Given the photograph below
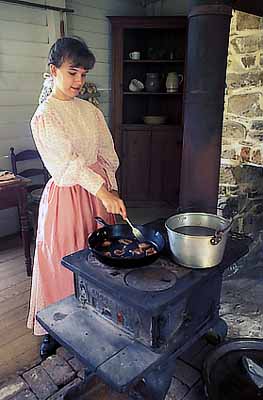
165, 164
135, 164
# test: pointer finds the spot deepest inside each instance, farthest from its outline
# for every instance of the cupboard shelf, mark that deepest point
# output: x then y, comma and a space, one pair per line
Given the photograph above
153, 127
152, 93
153, 61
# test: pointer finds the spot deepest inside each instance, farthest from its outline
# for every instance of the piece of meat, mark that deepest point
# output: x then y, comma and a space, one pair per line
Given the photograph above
150, 251
144, 245
138, 251
106, 243
119, 252
125, 241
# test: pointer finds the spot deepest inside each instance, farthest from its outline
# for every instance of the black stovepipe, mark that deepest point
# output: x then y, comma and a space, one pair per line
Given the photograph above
207, 50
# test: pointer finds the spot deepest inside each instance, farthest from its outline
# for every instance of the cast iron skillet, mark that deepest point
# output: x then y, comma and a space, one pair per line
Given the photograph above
123, 231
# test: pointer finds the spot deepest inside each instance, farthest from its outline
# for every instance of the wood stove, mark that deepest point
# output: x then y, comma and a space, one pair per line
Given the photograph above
126, 325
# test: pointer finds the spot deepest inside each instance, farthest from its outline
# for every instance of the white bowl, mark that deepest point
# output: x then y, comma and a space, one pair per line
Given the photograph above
154, 119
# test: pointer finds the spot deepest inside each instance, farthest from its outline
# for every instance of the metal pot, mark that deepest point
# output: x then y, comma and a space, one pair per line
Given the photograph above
197, 240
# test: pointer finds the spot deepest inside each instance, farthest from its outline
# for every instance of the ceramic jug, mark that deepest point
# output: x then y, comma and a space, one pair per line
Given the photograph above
173, 81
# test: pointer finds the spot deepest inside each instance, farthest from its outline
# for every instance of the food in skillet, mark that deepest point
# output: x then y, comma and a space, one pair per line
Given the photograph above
125, 241
119, 252
106, 243
127, 248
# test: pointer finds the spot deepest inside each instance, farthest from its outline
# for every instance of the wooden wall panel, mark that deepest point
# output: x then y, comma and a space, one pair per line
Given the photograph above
90, 22
26, 35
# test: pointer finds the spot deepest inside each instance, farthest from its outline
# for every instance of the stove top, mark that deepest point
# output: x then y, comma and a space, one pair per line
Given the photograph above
136, 286
152, 286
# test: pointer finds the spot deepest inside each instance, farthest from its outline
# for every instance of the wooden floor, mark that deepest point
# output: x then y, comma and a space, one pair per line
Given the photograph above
19, 349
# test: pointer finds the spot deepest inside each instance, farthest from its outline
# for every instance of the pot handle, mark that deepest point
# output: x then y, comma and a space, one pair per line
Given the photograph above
220, 233
101, 221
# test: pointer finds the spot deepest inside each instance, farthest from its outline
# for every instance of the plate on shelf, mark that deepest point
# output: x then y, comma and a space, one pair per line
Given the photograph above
154, 119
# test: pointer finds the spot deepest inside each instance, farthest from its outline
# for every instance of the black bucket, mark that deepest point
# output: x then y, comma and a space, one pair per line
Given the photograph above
226, 376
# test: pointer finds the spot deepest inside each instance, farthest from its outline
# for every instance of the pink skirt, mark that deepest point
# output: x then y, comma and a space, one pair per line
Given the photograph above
66, 218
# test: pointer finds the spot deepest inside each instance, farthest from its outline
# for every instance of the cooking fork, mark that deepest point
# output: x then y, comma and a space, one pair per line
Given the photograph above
137, 233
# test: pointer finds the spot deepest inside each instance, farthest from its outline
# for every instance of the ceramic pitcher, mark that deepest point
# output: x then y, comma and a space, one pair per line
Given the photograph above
173, 81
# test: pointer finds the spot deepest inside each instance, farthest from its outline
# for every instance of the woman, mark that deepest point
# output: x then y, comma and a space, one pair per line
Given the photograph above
76, 147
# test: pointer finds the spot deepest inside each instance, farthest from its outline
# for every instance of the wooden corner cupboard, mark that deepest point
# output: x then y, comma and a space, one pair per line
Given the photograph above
150, 153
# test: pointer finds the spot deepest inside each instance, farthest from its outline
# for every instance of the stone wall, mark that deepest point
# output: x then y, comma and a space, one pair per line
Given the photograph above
243, 118
241, 178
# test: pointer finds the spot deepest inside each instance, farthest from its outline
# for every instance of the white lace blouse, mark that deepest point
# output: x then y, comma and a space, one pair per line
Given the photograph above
71, 136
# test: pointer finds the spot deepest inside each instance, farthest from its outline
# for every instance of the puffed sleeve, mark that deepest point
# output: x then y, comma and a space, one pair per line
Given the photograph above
65, 164
106, 149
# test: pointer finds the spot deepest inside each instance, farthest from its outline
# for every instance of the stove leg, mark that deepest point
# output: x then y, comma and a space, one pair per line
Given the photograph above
155, 385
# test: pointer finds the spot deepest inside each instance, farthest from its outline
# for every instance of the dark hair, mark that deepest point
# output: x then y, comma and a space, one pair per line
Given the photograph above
71, 48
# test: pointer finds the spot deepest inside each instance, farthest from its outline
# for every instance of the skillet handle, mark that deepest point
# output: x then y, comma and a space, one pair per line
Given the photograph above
101, 221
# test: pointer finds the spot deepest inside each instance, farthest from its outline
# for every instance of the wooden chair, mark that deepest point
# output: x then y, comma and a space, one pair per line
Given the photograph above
26, 155
35, 189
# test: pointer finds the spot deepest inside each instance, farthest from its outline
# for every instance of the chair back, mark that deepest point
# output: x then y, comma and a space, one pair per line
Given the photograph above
26, 155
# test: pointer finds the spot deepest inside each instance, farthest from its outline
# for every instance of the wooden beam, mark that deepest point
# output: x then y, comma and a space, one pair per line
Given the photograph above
250, 7
36, 5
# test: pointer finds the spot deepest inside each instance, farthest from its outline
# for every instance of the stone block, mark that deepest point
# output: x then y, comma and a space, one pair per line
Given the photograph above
197, 392
246, 44
256, 136
25, 395
246, 21
11, 388
64, 353
177, 390
76, 364
81, 374
245, 104
248, 61
59, 370
228, 152
185, 373
250, 79
226, 176
234, 130
40, 382
257, 125
63, 392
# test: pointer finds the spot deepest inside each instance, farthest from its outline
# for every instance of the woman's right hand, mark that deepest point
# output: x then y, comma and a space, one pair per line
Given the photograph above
111, 202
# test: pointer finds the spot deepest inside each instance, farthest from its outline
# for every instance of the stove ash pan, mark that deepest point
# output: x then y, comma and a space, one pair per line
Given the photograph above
159, 325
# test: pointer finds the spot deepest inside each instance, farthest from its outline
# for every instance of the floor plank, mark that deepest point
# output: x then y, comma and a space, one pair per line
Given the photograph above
11, 304
20, 288
19, 346
17, 314
15, 267
19, 349
12, 280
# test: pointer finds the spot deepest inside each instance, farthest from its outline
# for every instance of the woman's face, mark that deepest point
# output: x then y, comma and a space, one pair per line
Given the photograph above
68, 80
